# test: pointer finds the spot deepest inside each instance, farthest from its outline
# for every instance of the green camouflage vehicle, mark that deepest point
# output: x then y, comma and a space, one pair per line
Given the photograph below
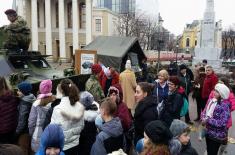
32, 66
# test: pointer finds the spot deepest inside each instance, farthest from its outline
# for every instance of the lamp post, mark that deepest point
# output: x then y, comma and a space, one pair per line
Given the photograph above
177, 47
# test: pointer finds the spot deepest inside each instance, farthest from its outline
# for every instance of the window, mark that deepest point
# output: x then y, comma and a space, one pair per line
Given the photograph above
187, 42
57, 15
195, 42
38, 12
98, 25
82, 15
69, 9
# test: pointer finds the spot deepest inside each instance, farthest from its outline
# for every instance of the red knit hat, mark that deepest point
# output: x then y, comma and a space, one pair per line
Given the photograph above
96, 68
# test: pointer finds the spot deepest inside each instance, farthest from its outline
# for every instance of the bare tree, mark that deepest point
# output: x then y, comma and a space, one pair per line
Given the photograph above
139, 26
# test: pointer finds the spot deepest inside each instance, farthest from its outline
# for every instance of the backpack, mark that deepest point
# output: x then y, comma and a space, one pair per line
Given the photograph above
184, 108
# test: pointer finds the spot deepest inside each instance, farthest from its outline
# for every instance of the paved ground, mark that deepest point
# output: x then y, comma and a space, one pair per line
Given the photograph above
201, 146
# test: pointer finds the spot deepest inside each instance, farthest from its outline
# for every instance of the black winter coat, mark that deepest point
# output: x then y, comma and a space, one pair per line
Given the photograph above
49, 113
188, 150
172, 108
145, 112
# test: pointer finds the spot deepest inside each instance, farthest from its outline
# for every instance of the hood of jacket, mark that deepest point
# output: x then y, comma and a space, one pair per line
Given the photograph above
70, 112
29, 98
148, 101
91, 114
113, 127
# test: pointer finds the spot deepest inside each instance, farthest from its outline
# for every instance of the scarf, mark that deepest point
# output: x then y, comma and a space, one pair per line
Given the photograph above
211, 107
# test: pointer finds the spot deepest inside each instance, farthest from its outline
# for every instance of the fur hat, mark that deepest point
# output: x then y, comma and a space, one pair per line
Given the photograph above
45, 89
25, 87
223, 90
96, 68
178, 127
158, 132
10, 12
86, 99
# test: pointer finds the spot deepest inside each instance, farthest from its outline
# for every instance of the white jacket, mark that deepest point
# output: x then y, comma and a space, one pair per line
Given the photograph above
71, 120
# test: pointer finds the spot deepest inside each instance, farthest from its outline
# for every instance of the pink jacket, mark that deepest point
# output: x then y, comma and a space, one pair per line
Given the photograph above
231, 100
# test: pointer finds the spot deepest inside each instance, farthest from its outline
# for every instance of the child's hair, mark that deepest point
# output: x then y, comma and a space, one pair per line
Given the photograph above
109, 106
3, 86
151, 148
46, 100
146, 87
70, 89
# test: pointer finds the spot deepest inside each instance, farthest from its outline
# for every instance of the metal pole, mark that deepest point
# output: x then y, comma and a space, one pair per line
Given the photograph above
177, 46
158, 59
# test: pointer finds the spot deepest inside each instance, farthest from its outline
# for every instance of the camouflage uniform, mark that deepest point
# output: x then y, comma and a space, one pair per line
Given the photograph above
17, 35
93, 86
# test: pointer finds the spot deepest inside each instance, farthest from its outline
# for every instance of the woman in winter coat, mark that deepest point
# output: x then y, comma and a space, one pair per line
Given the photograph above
156, 137
146, 109
8, 113
115, 93
52, 141
69, 115
215, 116
161, 86
89, 132
38, 113
174, 102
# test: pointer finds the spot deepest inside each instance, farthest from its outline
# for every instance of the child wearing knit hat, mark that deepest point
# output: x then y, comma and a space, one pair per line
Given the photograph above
180, 144
26, 101
215, 117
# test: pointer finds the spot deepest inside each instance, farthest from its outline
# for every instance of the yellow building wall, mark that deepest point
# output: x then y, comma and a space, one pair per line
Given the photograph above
192, 35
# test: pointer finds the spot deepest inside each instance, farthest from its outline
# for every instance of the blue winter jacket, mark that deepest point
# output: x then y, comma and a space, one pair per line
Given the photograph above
111, 136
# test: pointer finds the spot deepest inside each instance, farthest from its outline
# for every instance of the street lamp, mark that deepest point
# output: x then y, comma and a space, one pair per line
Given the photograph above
177, 47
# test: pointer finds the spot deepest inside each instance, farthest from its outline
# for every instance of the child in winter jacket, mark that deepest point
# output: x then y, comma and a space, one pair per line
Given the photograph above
215, 117
26, 101
52, 141
111, 136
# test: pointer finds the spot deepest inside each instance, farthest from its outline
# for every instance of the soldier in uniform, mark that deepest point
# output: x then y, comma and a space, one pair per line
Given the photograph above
17, 32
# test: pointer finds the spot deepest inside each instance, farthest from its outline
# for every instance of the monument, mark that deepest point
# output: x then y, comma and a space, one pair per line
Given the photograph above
209, 38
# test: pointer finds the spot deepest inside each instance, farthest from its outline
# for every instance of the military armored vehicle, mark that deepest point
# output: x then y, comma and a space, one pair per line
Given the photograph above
32, 66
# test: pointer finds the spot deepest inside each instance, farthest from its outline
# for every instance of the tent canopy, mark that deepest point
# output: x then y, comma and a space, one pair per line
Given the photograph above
113, 51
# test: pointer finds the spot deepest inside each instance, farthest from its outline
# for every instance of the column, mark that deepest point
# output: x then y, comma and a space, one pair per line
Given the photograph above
20, 8
75, 26
62, 29
34, 23
48, 27
88, 21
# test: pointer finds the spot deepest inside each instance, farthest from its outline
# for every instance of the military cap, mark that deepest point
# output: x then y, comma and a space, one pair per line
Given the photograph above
10, 11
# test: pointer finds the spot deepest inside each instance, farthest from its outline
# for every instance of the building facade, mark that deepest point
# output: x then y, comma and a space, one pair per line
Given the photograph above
189, 39
59, 27
118, 6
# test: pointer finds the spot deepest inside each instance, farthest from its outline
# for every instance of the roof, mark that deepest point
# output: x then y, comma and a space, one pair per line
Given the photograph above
115, 46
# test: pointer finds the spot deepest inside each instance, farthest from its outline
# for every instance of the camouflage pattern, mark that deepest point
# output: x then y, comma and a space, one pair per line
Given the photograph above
152, 72
93, 86
17, 35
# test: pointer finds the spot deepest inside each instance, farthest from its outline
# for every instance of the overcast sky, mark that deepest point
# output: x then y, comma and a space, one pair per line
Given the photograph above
175, 13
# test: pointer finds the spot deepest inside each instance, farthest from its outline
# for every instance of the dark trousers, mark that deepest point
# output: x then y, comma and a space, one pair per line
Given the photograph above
72, 151
212, 146
200, 106
187, 118
204, 101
